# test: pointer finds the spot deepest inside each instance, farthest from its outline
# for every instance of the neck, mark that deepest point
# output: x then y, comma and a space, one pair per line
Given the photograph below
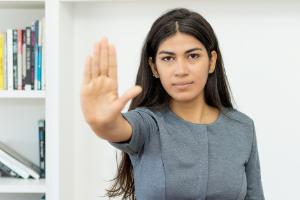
194, 111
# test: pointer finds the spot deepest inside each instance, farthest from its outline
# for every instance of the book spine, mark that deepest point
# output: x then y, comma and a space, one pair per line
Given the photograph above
1, 63
15, 59
28, 59
43, 56
4, 61
36, 41
32, 55
10, 80
24, 59
40, 56
6, 160
42, 146
8, 171
20, 43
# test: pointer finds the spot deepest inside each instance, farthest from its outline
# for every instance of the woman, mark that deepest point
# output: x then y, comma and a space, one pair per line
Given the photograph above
181, 138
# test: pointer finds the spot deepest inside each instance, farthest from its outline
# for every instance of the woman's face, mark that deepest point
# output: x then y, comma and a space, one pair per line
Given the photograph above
183, 66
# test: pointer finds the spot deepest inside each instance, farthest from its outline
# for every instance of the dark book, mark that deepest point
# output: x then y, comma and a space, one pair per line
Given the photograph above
15, 59
32, 63
42, 146
36, 45
28, 59
24, 59
6, 170
43, 197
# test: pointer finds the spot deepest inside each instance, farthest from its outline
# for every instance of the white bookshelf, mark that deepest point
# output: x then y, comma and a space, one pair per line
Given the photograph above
22, 94
21, 110
11, 185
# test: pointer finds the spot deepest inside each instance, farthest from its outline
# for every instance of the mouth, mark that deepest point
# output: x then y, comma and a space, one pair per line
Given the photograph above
183, 85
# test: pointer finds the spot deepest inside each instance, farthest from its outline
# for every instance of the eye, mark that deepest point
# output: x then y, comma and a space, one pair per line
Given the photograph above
166, 58
194, 56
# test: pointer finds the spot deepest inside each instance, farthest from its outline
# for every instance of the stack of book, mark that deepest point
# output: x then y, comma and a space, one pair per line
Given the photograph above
15, 165
22, 58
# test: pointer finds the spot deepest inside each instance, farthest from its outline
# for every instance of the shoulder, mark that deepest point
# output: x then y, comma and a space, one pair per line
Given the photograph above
238, 116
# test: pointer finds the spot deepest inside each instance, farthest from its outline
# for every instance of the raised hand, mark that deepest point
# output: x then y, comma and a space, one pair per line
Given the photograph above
99, 97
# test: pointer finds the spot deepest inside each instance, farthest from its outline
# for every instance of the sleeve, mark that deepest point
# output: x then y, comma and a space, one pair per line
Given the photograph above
253, 174
144, 127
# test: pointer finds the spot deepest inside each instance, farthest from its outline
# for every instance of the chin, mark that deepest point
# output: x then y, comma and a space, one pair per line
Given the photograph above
182, 98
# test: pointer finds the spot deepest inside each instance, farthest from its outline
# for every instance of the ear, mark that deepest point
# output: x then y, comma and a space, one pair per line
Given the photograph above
212, 63
153, 68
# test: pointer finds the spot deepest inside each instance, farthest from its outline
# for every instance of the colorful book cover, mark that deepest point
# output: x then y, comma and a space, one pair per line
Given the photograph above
4, 61
43, 56
42, 146
15, 59
1, 63
36, 56
24, 59
20, 61
32, 55
9, 42
40, 56
28, 59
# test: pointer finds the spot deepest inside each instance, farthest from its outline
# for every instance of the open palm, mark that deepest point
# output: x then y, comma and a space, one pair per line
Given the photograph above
99, 97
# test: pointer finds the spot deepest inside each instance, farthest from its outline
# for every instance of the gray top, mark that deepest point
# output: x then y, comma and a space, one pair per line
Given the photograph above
176, 159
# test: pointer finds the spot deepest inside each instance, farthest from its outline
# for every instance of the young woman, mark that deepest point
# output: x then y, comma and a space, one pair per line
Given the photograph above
181, 138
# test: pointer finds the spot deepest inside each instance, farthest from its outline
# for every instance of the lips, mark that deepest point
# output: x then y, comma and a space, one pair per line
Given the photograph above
182, 85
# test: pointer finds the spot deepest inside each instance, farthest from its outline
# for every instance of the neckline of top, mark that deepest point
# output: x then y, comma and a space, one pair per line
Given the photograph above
179, 118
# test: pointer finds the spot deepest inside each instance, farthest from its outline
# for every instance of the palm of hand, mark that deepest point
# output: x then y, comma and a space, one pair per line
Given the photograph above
100, 101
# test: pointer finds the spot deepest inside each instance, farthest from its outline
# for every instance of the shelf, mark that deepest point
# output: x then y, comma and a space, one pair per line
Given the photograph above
13, 185
33, 4
22, 94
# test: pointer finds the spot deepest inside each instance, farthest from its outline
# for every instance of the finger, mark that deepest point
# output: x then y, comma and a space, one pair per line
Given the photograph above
96, 61
104, 56
112, 62
129, 94
87, 70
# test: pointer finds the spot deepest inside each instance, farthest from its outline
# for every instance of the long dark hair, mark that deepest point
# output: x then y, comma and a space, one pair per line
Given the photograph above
154, 96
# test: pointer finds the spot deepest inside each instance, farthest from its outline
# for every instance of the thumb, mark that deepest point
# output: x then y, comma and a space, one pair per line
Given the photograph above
130, 94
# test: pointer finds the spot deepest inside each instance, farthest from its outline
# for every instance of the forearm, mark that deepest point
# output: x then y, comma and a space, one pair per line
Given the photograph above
119, 131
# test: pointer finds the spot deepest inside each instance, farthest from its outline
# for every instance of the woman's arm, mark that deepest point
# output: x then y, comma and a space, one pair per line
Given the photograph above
252, 169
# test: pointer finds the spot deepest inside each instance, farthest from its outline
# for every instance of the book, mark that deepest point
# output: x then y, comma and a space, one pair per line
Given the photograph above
20, 61
32, 55
9, 43
15, 59
28, 59
43, 197
8, 171
4, 62
24, 59
6, 161
1, 63
43, 56
42, 146
8, 155
39, 74
36, 37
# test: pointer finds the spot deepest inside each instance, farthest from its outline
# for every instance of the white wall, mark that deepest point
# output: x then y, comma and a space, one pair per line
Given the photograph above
259, 42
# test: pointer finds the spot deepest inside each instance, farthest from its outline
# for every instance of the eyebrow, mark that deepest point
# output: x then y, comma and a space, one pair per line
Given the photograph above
188, 51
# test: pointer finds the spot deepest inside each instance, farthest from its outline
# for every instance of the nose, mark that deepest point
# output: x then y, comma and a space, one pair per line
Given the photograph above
181, 68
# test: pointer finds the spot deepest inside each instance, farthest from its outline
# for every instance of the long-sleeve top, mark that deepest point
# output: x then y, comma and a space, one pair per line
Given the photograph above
176, 159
